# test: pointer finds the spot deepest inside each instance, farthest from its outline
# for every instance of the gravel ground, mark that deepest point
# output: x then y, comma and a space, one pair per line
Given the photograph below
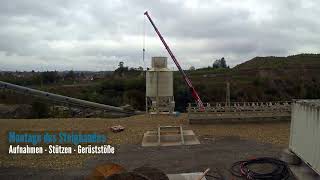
276, 133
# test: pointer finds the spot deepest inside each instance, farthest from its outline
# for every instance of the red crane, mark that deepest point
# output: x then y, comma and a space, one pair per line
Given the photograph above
185, 77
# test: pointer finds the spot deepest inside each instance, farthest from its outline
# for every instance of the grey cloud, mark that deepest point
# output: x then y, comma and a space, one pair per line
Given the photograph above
96, 35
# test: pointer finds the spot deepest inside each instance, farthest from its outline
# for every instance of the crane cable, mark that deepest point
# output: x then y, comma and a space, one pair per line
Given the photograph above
144, 42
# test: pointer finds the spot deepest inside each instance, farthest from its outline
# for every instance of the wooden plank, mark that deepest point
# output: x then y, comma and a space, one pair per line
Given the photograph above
159, 135
181, 134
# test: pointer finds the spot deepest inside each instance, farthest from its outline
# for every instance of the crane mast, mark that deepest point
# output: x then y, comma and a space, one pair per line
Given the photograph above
185, 77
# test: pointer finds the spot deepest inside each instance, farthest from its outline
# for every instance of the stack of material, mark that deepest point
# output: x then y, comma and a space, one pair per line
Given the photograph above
117, 128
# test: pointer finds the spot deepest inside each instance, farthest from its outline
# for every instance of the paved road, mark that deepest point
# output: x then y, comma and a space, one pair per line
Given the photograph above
216, 154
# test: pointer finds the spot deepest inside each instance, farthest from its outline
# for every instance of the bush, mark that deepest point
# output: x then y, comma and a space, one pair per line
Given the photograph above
3, 96
40, 110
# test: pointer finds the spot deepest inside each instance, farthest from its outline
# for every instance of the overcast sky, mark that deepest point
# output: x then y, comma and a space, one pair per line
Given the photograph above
97, 34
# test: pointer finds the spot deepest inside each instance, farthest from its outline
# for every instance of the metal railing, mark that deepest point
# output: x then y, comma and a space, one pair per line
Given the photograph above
272, 106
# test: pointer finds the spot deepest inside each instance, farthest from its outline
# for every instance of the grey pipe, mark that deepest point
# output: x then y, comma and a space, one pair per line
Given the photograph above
62, 99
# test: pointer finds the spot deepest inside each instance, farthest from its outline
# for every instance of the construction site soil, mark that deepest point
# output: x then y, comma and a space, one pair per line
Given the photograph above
221, 145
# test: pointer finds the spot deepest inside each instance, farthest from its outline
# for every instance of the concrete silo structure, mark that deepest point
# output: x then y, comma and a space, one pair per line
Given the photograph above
159, 87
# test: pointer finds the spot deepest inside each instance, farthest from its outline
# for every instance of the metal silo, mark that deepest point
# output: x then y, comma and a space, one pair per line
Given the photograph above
159, 87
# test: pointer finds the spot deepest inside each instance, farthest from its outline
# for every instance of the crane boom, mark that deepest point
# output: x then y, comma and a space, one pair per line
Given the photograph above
185, 77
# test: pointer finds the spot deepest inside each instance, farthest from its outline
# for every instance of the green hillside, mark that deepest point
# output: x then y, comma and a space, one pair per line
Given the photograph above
263, 79
272, 62
259, 79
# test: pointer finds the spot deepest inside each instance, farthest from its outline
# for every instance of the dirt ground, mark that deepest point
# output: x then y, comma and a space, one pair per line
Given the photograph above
251, 139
